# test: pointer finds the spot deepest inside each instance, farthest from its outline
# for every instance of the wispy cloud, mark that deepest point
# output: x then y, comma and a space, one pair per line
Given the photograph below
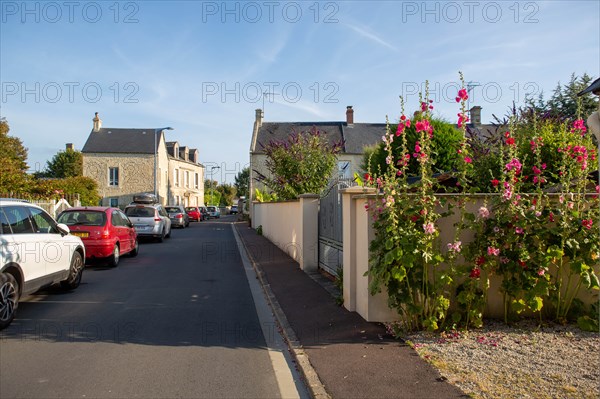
363, 32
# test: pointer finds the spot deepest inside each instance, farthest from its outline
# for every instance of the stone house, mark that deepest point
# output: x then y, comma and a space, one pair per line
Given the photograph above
125, 162
353, 136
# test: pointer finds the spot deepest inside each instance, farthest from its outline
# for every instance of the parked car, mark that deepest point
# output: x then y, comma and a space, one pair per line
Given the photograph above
214, 212
233, 210
194, 213
107, 233
35, 252
149, 220
178, 216
204, 212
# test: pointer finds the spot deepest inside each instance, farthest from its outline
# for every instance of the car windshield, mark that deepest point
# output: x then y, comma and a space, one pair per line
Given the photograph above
140, 212
172, 209
86, 218
212, 209
190, 209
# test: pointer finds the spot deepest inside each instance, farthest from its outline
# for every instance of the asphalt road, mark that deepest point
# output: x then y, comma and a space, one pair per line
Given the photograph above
179, 320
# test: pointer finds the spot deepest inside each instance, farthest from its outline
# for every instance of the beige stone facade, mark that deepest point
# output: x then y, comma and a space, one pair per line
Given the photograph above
123, 163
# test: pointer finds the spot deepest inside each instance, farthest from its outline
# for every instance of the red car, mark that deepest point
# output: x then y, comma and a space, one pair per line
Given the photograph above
107, 233
194, 213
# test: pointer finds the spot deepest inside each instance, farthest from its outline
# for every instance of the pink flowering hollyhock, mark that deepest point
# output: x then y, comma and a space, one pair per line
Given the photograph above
462, 119
423, 106
462, 95
493, 251
579, 125
514, 164
429, 228
541, 272
484, 213
538, 214
551, 217
519, 230
468, 160
417, 146
495, 182
388, 159
455, 247
475, 272
414, 218
587, 223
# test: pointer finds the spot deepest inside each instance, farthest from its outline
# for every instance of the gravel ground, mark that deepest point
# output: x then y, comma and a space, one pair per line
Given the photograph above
521, 361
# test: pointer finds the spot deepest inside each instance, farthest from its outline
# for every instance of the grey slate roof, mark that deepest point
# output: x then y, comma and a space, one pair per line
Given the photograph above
114, 140
354, 137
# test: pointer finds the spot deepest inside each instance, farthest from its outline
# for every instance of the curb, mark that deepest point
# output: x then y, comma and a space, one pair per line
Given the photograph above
311, 378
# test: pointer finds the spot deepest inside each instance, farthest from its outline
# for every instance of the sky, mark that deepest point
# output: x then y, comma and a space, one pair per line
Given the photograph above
203, 67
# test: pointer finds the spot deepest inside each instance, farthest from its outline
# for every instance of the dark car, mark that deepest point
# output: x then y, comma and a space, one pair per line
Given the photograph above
194, 213
178, 216
107, 233
204, 212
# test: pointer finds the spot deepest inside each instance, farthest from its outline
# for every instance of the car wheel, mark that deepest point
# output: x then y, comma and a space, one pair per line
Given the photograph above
169, 233
75, 273
113, 260
161, 238
9, 299
135, 250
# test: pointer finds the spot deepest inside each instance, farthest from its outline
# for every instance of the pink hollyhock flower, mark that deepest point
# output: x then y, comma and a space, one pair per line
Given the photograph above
495, 182
429, 228
493, 251
587, 223
468, 160
475, 273
519, 230
541, 272
462, 95
484, 213
455, 247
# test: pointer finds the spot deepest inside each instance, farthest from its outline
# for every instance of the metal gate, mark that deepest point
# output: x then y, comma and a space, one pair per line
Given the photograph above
331, 228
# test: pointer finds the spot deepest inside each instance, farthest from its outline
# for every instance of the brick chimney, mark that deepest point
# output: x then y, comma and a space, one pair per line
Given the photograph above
70, 146
259, 117
475, 115
97, 123
349, 115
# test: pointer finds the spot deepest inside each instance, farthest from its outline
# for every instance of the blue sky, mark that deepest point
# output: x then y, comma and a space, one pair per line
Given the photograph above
201, 67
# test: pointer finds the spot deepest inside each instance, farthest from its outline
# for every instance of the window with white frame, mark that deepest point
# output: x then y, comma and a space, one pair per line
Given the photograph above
196, 181
176, 177
187, 178
113, 177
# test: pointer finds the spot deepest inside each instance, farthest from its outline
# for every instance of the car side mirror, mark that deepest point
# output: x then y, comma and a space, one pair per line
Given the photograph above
63, 229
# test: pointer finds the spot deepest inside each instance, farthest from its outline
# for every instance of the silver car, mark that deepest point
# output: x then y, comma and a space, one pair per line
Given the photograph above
149, 220
178, 216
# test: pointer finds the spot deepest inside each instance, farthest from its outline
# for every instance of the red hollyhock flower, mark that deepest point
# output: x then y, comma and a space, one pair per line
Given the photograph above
475, 272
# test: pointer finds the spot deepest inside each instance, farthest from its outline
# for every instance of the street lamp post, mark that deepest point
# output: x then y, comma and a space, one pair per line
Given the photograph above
211, 180
156, 131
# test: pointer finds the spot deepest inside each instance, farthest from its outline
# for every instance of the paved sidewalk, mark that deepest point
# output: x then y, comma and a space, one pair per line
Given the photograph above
351, 357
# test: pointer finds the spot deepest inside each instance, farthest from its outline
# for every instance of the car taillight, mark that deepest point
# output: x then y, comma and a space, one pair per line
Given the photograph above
179, 216
157, 219
105, 234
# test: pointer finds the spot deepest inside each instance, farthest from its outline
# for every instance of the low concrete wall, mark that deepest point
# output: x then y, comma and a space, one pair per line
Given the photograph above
292, 226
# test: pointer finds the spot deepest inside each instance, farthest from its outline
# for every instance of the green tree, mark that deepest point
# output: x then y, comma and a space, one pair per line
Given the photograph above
13, 162
227, 192
303, 163
68, 163
563, 104
445, 143
242, 182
